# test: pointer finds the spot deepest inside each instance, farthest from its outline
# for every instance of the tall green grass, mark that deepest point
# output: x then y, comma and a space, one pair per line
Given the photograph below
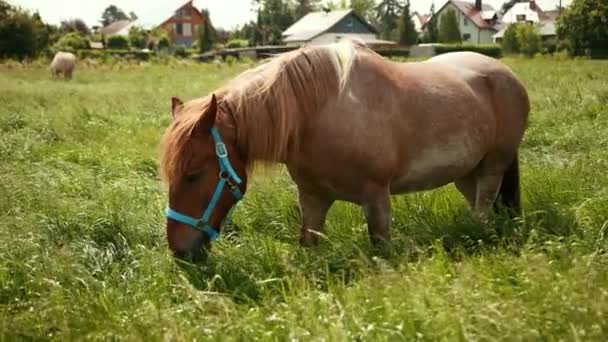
83, 252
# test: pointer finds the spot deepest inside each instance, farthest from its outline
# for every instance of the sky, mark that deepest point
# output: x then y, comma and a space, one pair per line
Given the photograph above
226, 14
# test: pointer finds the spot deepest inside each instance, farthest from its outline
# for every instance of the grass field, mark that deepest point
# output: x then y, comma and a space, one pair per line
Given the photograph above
83, 253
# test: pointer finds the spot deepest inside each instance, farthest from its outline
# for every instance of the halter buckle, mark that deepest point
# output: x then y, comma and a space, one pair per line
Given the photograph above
220, 150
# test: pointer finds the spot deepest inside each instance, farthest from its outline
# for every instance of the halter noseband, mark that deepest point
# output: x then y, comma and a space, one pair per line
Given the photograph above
228, 177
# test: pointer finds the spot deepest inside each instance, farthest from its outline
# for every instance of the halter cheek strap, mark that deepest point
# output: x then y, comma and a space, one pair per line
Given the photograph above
227, 177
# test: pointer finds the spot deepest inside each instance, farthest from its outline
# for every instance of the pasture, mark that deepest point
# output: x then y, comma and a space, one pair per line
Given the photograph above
83, 253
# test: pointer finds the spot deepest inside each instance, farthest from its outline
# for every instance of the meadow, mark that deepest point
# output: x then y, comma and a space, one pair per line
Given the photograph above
83, 253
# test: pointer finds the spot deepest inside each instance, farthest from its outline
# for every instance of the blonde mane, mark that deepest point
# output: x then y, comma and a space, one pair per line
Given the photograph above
269, 104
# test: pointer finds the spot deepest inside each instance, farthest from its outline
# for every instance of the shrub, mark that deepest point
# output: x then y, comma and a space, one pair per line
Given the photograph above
393, 52
117, 42
71, 42
488, 50
230, 60
21, 33
584, 24
528, 39
509, 40
180, 51
137, 37
163, 43
237, 43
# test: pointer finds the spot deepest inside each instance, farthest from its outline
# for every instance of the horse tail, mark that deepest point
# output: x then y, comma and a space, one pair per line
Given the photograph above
509, 196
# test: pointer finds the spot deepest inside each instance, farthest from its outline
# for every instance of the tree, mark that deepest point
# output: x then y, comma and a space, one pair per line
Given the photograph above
274, 16
364, 8
74, 25
112, 14
387, 15
509, 40
72, 41
303, 7
206, 36
132, 15
528, 39
407, 29
22, 34
449, 32
507, 6
432, 30
138, 37
584, 25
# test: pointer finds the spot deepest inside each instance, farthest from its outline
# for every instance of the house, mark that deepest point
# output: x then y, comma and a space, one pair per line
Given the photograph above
120, 27
184, 23
478, 21
530, 12
331, 26
419, 20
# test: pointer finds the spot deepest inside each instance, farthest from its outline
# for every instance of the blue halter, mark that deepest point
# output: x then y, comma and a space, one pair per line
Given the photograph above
227, 177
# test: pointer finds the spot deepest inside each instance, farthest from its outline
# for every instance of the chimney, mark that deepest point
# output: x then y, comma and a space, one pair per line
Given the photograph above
533, 5
478, 4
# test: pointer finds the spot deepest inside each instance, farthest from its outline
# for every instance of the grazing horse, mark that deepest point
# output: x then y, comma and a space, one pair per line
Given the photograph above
349, 125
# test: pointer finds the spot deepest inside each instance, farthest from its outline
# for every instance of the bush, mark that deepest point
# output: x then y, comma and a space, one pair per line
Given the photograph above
137, 37
509, 40
22, 34
387, 52
584, 24
488, 50
180, 51
163, 43
237, 43
117, 42
71, 42
528, 39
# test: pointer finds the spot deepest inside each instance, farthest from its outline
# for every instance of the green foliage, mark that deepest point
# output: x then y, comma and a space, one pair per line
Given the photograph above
528, 40
72, 42
84, 253
138, 37
364, 8
117, 42
584, 24
181, 52
206, 34
274, 17
488, 50
303, 7
449, 30
387, 16
509, 41
432, 30
112, 14
407, 30
74, 25
237, 43
22, 35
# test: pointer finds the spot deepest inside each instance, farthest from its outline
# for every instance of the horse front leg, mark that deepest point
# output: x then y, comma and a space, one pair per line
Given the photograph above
378, 214
313, 209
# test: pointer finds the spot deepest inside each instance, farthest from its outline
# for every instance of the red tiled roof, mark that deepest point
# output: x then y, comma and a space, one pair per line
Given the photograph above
475, 15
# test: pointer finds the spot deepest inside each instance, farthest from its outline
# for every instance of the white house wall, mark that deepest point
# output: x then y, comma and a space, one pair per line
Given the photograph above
476, 35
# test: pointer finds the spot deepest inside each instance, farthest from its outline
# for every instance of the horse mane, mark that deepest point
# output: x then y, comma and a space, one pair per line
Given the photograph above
269, 104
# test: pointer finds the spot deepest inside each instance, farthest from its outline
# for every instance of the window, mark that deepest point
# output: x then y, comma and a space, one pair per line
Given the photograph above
179, 29
520, 17
349, 22
466, 22
466, 37
187, 29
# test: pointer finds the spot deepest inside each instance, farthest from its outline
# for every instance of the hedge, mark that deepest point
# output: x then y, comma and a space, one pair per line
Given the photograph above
488, 50
393, 52
101, 54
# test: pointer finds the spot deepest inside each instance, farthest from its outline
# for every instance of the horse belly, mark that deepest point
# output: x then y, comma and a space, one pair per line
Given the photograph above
438, 164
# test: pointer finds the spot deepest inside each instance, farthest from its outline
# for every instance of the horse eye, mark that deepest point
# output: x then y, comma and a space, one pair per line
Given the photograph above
192, 178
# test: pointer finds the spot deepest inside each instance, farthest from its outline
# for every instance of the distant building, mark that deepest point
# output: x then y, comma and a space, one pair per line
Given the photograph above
419, 21
120, 27
331, 26
529, 12
478, 21
182, 21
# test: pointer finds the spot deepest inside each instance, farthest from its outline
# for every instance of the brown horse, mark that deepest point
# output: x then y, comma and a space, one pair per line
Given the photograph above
349, 125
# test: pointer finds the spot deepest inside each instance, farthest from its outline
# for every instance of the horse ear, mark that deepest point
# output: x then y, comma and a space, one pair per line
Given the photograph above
208, 119
176, 107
